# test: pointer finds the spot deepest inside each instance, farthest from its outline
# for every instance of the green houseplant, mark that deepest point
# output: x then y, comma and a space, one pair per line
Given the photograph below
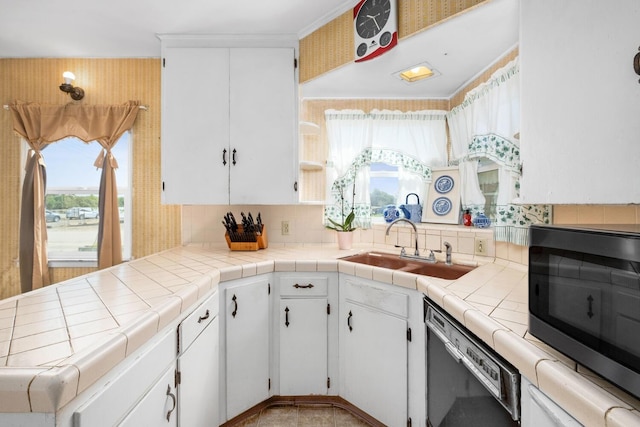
345, 226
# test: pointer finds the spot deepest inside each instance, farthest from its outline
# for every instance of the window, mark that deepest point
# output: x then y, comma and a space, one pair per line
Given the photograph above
488, 179
383, 187
71, 199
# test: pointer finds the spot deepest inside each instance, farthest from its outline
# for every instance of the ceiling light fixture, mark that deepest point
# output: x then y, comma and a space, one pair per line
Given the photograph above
76, 93
416, 73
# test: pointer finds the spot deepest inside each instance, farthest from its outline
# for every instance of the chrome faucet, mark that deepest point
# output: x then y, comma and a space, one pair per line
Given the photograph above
415, 230
447, 246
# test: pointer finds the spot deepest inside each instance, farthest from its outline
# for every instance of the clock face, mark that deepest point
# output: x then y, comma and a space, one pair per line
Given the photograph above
372, 17
375, 24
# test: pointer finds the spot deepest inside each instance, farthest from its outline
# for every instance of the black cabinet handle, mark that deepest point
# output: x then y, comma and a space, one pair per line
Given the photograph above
590, 311
235, 309
224, 157
349, 321
205, 317
233, 156
286, 317
297, 286
173, 397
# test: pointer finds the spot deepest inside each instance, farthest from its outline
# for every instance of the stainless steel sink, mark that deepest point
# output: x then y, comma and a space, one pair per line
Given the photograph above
395, 262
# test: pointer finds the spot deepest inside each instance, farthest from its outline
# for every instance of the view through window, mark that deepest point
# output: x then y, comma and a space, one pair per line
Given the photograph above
383, 186
71, 199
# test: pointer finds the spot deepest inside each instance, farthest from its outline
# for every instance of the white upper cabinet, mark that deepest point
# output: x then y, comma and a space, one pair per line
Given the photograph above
229, 124
580, 102
195, 125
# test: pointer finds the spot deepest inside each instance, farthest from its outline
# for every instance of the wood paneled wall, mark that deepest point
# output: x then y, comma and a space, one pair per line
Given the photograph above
331, 46
106, 81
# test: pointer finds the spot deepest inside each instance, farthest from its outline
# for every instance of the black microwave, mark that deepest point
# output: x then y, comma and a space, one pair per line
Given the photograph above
584, 296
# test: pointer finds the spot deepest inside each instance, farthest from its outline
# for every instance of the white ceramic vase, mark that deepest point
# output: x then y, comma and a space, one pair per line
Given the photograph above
345, 239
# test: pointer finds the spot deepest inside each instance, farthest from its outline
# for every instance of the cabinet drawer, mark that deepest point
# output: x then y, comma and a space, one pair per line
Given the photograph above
377, 297
194, 324
295, 286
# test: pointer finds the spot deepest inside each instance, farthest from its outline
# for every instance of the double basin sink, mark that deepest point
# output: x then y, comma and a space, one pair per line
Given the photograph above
395, 262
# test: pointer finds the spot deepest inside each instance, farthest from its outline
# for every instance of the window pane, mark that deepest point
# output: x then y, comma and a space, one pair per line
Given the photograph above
383, 186
72, 197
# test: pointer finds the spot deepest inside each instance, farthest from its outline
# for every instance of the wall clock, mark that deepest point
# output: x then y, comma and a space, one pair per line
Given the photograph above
375, 24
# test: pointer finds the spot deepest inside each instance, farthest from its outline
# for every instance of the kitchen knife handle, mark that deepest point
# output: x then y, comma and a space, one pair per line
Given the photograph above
224, 157
233, 156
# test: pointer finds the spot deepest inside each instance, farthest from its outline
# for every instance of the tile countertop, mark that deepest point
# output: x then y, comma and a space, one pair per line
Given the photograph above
57, 341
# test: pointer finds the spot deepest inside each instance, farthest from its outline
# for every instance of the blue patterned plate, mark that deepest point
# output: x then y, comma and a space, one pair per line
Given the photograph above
441, 206
444, 184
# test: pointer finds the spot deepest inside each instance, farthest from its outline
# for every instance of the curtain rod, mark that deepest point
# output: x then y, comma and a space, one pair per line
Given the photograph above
142, 107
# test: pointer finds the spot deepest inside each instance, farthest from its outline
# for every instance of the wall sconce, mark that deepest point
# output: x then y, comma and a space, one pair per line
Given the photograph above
76, 93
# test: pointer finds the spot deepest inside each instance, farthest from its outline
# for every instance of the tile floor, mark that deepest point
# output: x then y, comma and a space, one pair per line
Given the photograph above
303, 416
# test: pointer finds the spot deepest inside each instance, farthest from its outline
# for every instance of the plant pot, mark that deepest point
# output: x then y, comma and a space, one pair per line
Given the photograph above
345, 239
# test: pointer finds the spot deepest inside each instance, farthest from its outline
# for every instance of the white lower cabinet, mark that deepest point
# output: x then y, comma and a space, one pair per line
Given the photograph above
246, 343
303, 346
198, 388
158, 406
381, 344
375, 363
305, 343
142, 387
538, 410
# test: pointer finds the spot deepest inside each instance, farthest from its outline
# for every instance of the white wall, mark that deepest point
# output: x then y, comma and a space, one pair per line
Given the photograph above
580, 136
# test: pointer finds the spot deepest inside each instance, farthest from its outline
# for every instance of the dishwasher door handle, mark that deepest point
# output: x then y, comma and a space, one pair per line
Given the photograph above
453, 351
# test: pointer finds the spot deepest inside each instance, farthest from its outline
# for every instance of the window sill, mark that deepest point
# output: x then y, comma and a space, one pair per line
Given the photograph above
72, 263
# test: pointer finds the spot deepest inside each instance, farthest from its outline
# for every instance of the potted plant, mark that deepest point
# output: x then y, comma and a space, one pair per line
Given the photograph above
345, 227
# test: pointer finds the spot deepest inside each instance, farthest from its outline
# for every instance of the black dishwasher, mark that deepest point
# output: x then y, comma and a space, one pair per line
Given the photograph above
468, 384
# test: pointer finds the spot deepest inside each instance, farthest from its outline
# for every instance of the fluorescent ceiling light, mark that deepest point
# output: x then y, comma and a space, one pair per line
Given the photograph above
417, 72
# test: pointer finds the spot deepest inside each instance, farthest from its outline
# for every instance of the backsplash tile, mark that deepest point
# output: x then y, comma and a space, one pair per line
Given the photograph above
202, 224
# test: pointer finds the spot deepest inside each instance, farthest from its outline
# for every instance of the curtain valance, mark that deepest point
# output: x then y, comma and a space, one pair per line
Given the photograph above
485, 125
46, 123
415, 141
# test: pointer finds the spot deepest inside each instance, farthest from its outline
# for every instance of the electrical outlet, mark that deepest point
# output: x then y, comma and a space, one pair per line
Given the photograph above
481, 246
284, 228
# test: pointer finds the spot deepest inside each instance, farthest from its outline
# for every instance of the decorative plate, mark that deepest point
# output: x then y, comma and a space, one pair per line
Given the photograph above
441, 206
443, 184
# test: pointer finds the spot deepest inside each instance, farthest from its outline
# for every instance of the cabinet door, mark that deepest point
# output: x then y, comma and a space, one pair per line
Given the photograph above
564, 157
199, 383
303, 346
374, 357
538, 410
263, 129
247, 345
195, 125
158, 406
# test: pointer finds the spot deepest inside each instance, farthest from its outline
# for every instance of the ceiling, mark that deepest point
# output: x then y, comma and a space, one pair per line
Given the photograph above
128, 28
459, 49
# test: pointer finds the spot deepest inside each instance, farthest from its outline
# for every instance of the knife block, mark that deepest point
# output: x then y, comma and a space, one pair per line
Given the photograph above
260, 243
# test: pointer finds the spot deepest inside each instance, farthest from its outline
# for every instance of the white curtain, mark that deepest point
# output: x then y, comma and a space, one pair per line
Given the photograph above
413, 141
486, 125
349, 135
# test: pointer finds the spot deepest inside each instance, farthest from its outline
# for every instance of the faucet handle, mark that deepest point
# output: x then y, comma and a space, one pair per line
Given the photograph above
402, 251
